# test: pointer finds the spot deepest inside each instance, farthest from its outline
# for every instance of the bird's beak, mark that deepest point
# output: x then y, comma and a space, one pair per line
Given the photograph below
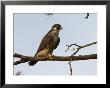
61, 28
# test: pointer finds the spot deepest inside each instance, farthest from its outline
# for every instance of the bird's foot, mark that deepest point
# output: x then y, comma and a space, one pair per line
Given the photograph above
50, 56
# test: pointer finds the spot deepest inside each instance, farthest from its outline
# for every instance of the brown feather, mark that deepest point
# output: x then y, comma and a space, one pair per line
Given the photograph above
47, 40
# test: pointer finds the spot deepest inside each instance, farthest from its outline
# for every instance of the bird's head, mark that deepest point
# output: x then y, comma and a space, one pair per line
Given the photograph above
56, 28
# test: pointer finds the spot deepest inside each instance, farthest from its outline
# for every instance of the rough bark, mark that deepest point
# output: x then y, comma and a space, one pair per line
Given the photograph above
54, 58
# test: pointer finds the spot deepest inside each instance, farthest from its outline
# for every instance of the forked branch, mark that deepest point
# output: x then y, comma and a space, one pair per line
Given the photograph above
77, 49
24, 58
55, 58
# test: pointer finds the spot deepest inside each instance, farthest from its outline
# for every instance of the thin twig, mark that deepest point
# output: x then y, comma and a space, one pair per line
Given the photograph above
87, 16
69, 47
18, 73
79, 47
49, 14
70, 67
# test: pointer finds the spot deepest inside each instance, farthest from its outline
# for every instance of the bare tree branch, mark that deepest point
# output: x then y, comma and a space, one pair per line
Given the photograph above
54, 58
59, 58
87, 16
18, 73
69, 47
48, 14
79, 47
70, 67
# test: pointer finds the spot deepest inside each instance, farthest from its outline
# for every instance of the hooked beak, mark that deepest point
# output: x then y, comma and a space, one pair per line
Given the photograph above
61, 28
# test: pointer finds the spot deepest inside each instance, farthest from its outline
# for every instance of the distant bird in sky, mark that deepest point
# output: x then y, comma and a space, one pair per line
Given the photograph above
87, 16
49, 42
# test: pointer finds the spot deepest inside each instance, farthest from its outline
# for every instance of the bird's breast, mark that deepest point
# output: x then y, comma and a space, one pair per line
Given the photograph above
43, 53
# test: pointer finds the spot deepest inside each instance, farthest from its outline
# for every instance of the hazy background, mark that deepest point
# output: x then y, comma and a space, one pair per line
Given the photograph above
29, 30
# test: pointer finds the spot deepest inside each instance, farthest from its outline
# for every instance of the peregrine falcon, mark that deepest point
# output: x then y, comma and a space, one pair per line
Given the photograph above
49, 42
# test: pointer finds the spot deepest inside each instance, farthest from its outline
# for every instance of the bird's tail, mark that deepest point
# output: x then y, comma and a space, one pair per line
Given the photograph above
31, 63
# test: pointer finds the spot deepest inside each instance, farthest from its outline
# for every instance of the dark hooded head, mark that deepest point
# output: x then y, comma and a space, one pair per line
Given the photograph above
56, 29
58, 26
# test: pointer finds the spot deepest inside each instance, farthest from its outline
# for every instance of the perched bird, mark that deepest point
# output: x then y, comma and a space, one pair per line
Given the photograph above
49, 42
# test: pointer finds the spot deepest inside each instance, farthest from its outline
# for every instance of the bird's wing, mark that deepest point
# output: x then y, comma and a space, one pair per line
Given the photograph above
48, 38
57, 43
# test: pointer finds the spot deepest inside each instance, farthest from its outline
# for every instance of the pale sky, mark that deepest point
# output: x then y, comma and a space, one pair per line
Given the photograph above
29, 30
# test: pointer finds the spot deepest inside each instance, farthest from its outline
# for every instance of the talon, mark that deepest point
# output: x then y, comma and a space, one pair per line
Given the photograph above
50, 56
